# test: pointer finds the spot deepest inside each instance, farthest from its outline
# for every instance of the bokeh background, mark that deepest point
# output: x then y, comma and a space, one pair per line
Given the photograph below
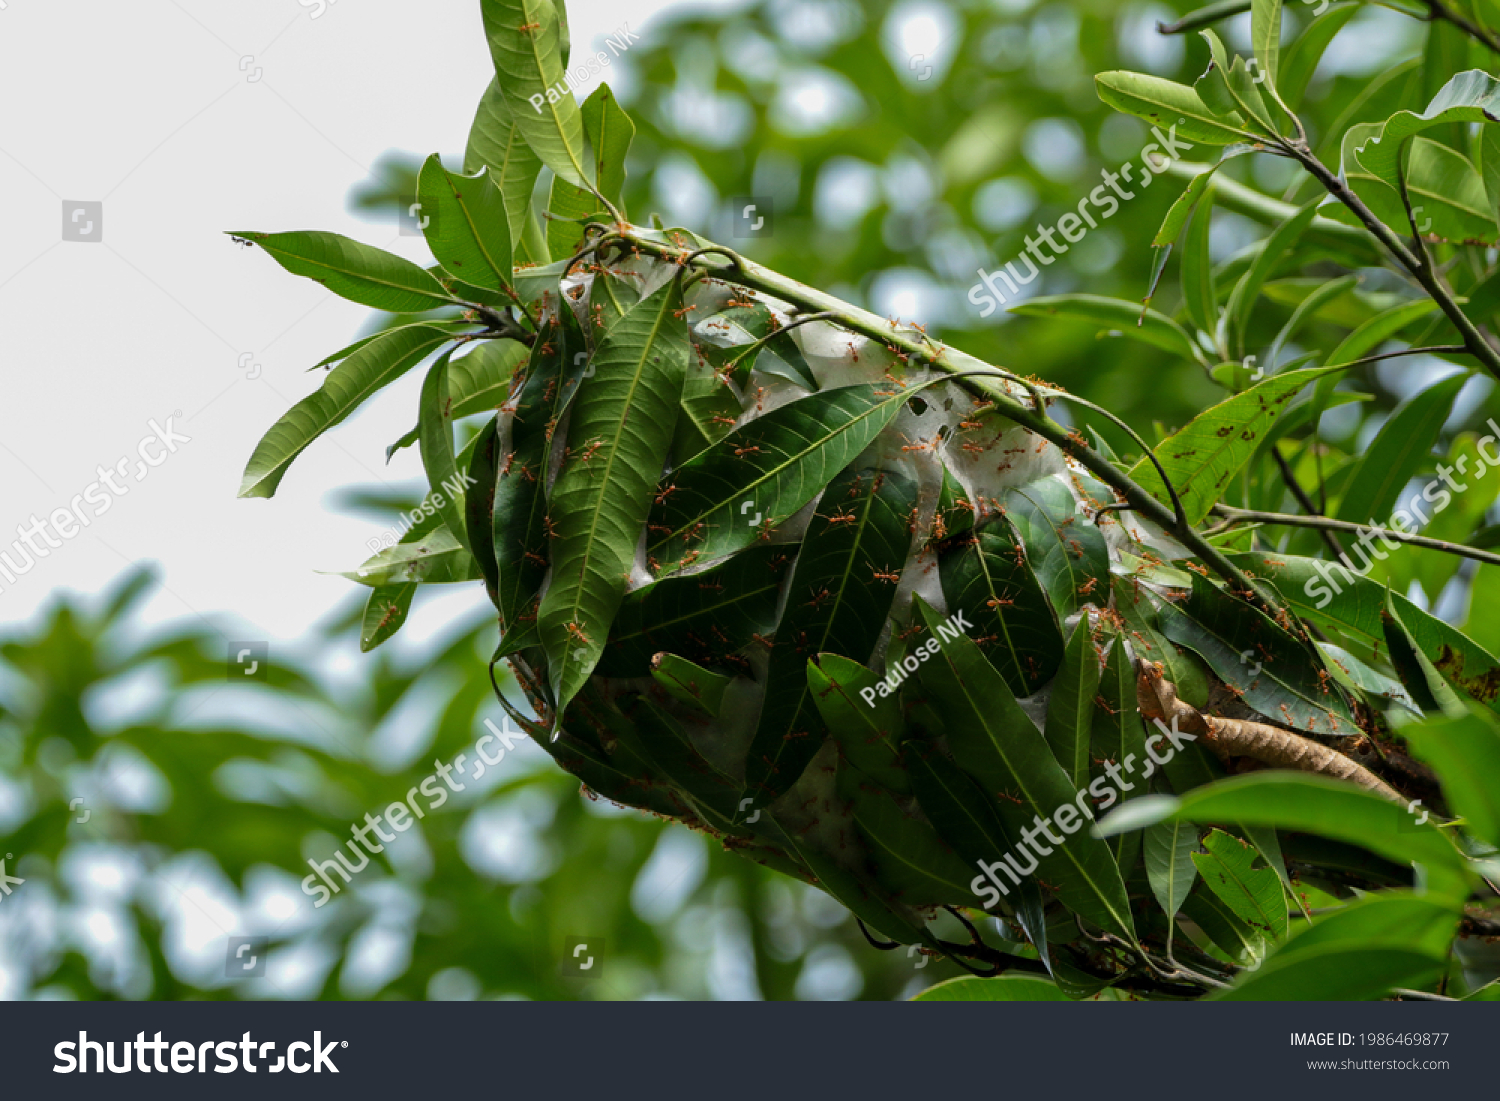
155, 801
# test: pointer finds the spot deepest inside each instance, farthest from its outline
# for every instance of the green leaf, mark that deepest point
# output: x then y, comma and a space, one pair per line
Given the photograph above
1065, 548
765, 471
907, 857
385, 613
1237, 940
989, 578
1310, 804
1472, 96
1204, 457
1376, 331
707, 617
689, 683
436, 427
1276, 673
436, 558
1418, 674
995, 742
529, 67
1070, 709
1329, 593
835, 603
354, 270
1168, 103
483, 476
1489, 166
1247, 291
1118, 734
1446, 192
1003, 988
481, 381
755, 341
466, 225
1230, 88
496, 143
1122, 318
1169, 866
1200, 293
1182, 209
1360, 952
1324, 293
866, 723
1465, 752
1399, 451
1300, 60
610, 132
619, 433
520, 509
365, 371
1254, 894
1265, 33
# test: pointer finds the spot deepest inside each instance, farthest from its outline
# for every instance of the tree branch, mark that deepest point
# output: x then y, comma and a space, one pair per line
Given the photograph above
1328, 524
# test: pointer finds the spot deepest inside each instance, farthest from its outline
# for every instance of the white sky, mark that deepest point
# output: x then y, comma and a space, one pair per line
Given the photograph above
152, 107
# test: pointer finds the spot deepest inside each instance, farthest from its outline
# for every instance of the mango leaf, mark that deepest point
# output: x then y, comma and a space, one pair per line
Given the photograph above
1247, 291
1465, 752
436, 426
836, 602
466, 225
1276, 673
1169, 867
1003, 988
1200, 292
1329, 593
610, 132
495, 143
1122, 318
1446, 192
519, 531
1168, 103
525, 44
1300, 60
483, 477
1118, 734
1065, 548
866, 723
755, 341
1230, 88
908, 856
1362, 951
989, 578
1472, 96
1400, 450
1204, 457
706, 617
1310, 804
968, 820
354, 270
435, 558
619, 433
1418, 674
346, 387
1070, 709
1265, 34
385, 613
689, 683
1242, 944
763, 472
1182, 209
996, 743
1254, 894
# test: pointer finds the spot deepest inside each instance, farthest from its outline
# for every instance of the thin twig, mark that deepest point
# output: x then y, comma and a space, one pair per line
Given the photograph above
1365, 532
